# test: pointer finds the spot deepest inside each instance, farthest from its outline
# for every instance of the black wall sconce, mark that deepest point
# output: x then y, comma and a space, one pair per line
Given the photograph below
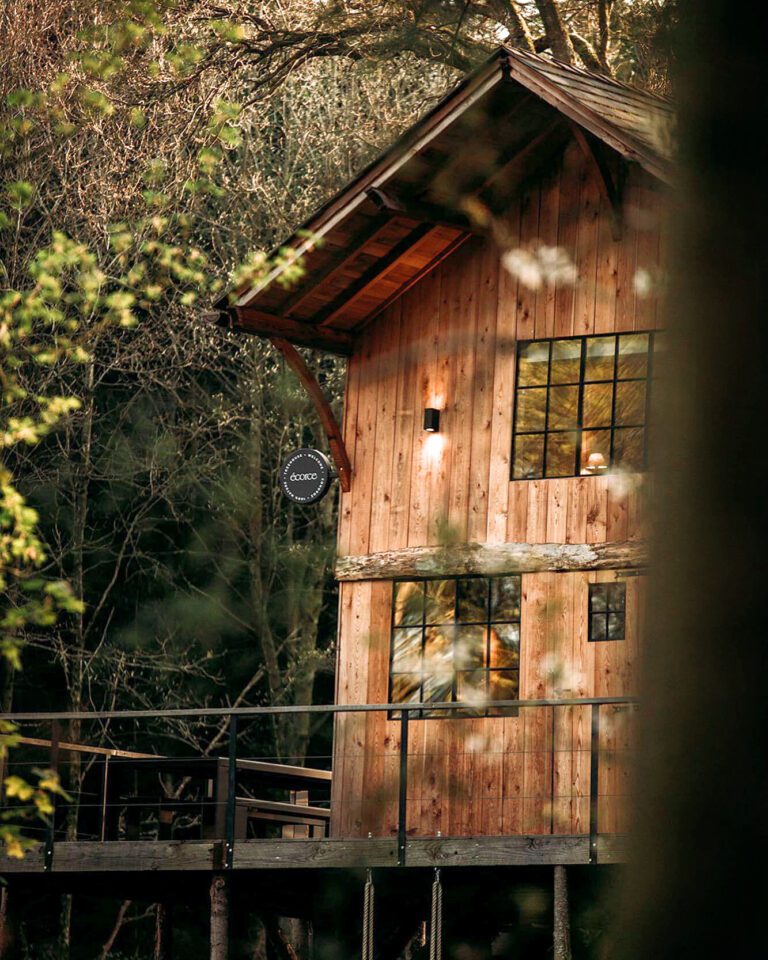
431, 420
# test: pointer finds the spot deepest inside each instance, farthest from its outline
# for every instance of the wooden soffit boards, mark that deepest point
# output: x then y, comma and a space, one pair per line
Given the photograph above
401, 215
488, 559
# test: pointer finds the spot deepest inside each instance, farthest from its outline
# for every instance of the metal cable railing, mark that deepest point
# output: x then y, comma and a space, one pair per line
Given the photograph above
560, 767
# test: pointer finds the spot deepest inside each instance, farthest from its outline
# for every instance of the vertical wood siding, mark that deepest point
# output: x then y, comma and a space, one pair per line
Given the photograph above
450, 342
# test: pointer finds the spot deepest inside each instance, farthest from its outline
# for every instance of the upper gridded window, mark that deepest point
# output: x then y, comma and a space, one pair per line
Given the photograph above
581, 405
456, 640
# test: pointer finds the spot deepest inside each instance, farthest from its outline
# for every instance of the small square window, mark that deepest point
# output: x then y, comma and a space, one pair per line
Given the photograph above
607, 609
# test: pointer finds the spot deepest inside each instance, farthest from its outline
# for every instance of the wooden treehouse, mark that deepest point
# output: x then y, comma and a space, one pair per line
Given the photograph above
492, 279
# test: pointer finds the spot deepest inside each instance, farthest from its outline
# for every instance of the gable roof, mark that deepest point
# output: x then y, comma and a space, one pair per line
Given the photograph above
406, 211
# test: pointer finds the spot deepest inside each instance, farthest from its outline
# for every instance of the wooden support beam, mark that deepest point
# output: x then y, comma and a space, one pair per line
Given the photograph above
219, 893
338, 262
594, 151
153, 856
84, 748
519, 156
332, 430
263, 324
561, 920
492, 558
422, 211
373, 274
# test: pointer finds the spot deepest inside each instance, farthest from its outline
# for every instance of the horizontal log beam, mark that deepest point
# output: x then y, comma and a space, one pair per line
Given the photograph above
492, 558
149, 857
262, 324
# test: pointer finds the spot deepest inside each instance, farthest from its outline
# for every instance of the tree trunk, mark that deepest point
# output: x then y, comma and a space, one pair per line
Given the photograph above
298, 933
698, 882
554, 28
117, 927
519, 34
562, 918
76, 660
8, 932
603, 20
219, 917
163, 932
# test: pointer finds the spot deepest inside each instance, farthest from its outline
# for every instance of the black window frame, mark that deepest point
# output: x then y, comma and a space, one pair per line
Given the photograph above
463, 708
611, 587
579, 429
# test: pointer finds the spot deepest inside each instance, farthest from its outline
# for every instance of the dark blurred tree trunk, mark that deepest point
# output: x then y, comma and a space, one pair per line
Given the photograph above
8, 932
698, 886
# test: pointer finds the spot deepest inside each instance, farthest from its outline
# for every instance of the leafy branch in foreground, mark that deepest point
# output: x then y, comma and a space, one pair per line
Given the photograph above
68, 296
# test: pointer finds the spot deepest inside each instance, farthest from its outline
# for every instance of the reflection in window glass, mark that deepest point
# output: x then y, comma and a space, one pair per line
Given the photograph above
601, 358
533, 364
607, 609
580, 405
456, 640
566, 361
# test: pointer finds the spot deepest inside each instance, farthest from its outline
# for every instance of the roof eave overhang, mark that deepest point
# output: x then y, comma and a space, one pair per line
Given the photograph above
501, 66
384, 168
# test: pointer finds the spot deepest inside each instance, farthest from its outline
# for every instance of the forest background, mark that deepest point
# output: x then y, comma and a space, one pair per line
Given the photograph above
169, 141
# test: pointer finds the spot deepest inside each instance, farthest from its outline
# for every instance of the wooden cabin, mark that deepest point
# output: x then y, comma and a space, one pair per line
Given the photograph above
493, 279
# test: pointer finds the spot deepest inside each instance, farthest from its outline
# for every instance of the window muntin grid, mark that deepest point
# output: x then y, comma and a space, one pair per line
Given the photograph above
607, 611
456, 640
581, 405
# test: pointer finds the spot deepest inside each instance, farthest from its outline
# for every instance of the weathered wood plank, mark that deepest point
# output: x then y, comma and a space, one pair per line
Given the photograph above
498, 851
492, 558
274, 854
146, 856
81, 856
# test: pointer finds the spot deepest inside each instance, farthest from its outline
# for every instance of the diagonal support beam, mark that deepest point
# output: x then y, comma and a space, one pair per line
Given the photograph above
424, 212
594, 151
335, 440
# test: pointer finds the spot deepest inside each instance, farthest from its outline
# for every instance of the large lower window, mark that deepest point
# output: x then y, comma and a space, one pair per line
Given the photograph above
456, 641
580, 405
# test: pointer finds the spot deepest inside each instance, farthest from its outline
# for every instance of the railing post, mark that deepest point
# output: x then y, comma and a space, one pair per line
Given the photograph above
104, 798
594, 772
403, 794
231, 792
50, 831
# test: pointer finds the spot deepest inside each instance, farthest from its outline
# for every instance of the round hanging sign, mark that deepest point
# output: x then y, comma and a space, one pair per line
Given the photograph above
305, 476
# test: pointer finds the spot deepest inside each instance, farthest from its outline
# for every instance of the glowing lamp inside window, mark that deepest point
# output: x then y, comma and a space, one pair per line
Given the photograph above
595, 464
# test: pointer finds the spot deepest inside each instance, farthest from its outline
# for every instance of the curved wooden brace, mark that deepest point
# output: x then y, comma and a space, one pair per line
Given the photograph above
595, 154
335, 441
